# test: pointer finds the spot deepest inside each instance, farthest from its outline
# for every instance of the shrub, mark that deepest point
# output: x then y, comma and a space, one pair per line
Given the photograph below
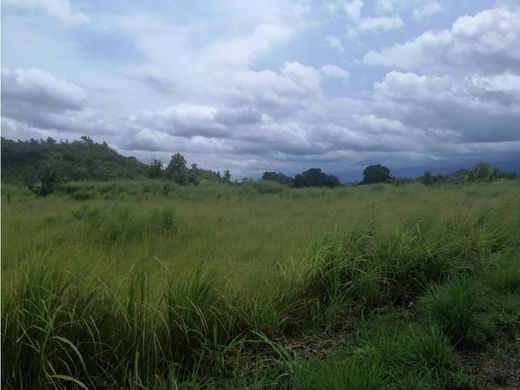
48, 182
457, 309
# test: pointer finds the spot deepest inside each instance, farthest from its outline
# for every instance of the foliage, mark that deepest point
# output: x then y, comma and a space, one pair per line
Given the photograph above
278, 178
227, 176
77, 160
48, 182
155, 169
177, 171
427, 178
314, 177
480, 172
376, 174
85, 159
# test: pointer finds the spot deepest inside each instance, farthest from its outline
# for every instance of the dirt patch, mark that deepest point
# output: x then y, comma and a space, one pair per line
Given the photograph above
495, 373
315, 346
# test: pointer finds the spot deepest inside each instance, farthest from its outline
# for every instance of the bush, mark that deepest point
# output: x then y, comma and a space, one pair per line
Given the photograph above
48, 182
457, 308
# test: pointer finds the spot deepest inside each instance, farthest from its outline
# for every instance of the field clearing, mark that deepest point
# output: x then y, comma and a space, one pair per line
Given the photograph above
195, 273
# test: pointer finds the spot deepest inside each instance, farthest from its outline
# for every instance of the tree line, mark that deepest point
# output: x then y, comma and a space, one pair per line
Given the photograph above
43, 164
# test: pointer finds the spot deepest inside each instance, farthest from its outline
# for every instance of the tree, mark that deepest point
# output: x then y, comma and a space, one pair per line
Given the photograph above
376, 174
427, 178
48, 182
176, 169
481, 171
277, 178
87, 140
227, 176
314, 177
155, 169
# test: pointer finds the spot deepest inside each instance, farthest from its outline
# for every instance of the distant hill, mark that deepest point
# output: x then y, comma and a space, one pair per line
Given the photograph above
76, 160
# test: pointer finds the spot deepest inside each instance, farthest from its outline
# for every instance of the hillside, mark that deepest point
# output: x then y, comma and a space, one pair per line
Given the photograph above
76, 160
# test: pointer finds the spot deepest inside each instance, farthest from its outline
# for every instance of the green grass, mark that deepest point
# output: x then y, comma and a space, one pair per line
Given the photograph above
150, 285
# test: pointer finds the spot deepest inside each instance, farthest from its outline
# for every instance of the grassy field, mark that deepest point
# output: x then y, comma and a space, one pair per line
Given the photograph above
149, 285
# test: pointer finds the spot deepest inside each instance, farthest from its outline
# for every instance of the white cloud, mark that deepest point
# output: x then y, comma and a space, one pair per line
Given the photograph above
334, 72
357, 23
420, 9
179, 67
335, 42
427, 10
242, 50
353, 9
487, 40
507, 82
380, 24
59, 9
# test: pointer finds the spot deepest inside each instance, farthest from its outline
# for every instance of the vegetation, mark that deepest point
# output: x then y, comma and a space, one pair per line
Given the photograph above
48, 182
480, 172
277, 177
77, 160
376, 174
314, 177
153, 284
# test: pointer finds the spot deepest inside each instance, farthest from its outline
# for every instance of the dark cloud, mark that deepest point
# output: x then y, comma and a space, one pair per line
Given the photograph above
40, 90
38, 99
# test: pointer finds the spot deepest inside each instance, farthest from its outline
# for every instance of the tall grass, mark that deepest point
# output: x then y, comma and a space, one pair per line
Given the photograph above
185, 290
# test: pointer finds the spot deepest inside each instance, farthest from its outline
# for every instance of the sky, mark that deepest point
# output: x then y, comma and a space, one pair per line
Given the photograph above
271, 85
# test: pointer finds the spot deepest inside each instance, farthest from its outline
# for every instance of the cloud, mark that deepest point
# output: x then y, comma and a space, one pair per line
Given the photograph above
356, 23
420, 9
182, 120
242, 50
334, 72
461, 110
41, 90
285, 119
335, 42
58, 9
427, 10
508, 82
251, 87
380, 24
40, 100
178, 65
487, 41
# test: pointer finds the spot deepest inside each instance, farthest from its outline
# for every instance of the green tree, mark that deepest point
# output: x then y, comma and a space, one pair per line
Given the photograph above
480, 172
314, 177
278, 178
48, 182
176, 169
427, 178
155, 169
227, 176
376, 174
